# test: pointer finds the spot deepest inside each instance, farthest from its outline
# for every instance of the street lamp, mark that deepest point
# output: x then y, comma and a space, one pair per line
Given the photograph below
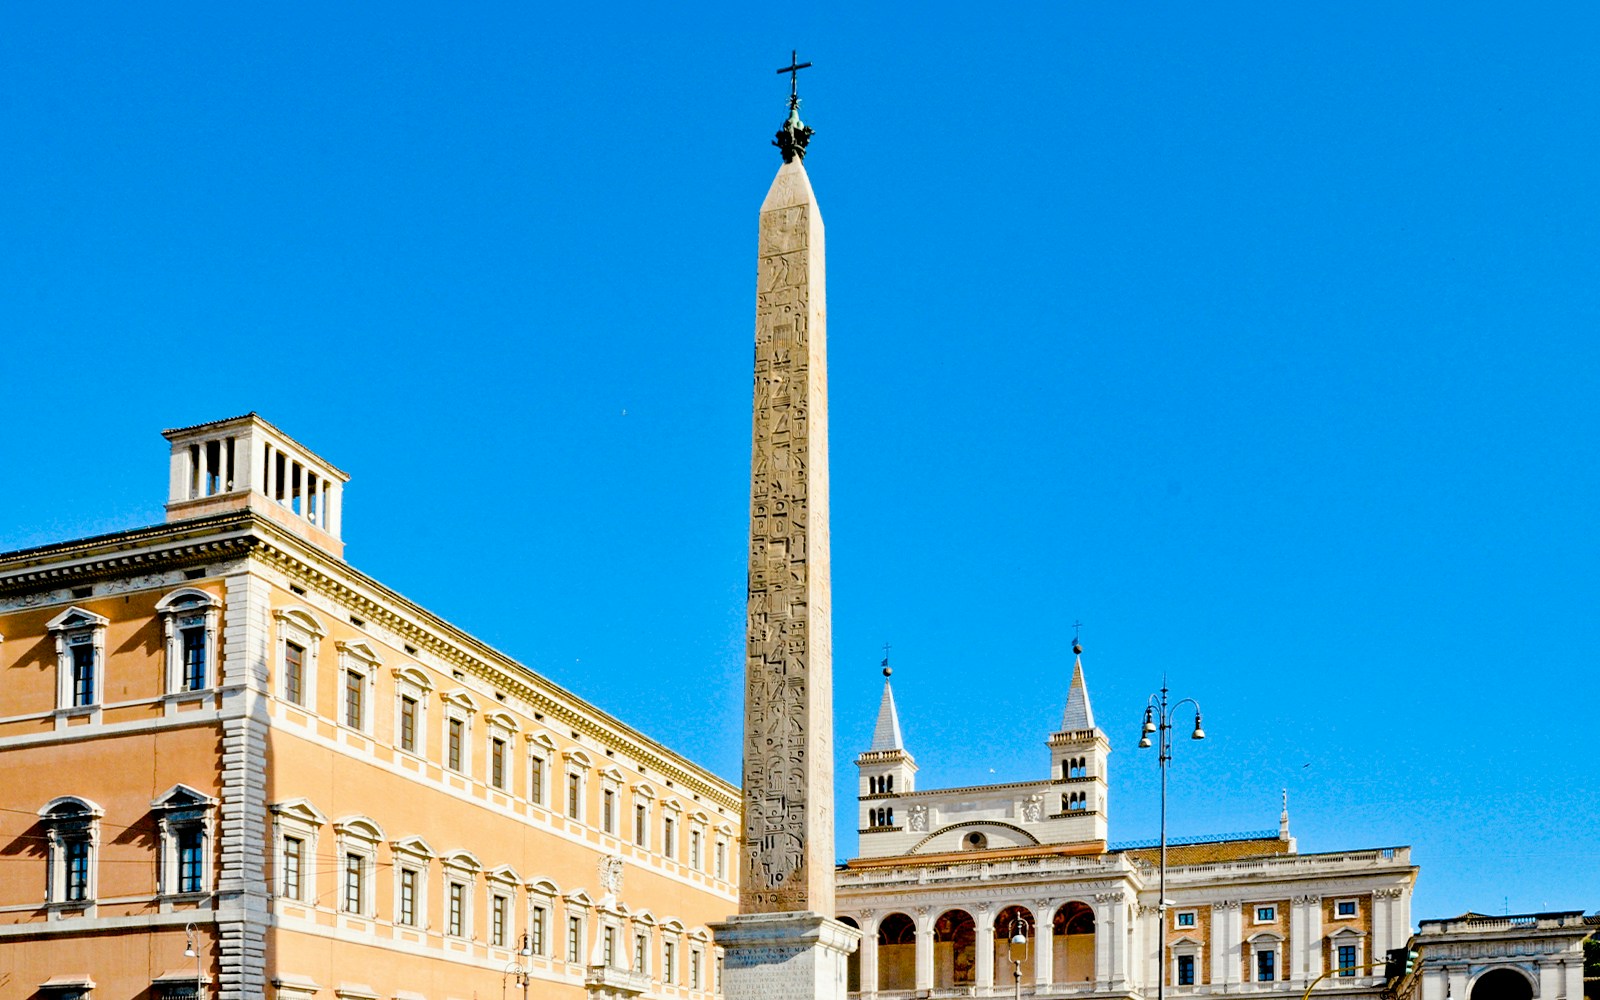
522, 972
191, 949
1019, 951
1158, 720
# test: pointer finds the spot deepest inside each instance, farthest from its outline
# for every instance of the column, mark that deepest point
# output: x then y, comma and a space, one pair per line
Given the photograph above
1382, 940
984, 973
1296, 945
1233, 942
1217, 942
1106, 935
925, 921
869, 956
1313, 948
1044, 942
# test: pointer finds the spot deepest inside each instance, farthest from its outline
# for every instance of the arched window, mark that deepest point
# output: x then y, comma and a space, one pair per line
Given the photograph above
189, 631
72, 836
888, 783
897, 953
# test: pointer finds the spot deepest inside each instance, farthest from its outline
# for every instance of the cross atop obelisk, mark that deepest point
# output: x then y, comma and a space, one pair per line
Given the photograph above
784, 941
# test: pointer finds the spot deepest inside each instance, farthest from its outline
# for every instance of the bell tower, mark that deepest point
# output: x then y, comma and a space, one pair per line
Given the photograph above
1078, 752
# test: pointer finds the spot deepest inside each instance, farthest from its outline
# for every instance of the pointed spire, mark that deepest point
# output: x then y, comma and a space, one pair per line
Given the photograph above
886, 734
1078, 714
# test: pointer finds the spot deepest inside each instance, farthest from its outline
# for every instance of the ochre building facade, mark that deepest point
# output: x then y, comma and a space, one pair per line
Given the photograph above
235, 765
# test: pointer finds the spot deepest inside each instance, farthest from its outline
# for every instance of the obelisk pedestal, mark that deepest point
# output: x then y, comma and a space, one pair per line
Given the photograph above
784, 944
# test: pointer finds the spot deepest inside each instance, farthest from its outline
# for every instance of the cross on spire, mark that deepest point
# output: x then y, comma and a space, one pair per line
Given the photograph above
792, 137
793, 69
886, 659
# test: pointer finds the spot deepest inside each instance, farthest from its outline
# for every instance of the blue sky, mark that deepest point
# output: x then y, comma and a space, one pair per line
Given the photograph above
1258, 338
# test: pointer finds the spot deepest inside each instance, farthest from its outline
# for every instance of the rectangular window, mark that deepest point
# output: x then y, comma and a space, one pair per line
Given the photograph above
408, 897
83, 674
1266, 914
1345, 908
498, 908
294, 859
354, 683
497, 763
194, 659
77, 857
456, 921
1186, 918
1185, 970
640, 944
408, 723
669, 962
608, 811
668, 831
294, 673
694, 968
694, 849
353, 888
722, 860
536, 782
1347, 960
191, 858
574, 939
609, 947
453, 750
1266, 963
536, 931
641, 824
574, 796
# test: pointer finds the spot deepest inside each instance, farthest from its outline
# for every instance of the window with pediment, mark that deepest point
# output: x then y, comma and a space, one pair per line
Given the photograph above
299, 643
72, 851
185, 825
189, 620
80, 639
357, 846
411, 690
296, 827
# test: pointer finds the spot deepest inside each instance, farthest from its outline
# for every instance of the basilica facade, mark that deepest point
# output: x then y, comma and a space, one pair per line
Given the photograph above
1013, 888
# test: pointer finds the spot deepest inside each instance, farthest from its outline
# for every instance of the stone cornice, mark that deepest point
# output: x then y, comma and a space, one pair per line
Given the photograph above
242, 532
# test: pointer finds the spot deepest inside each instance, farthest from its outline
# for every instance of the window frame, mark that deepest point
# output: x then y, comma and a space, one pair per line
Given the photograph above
499, 728
300, 820
183, 612
183, 811
75, 630
358, 837
460, 870
72, 841
458, 708
415, 856
413, 684
357, 659
298, 627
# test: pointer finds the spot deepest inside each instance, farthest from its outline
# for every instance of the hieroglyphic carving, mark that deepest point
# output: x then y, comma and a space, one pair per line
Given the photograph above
788, 791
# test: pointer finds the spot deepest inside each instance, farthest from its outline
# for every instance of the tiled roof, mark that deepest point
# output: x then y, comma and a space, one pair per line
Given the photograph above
1222, 850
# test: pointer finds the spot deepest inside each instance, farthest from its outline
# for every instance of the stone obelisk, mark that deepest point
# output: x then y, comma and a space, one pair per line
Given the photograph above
784, 944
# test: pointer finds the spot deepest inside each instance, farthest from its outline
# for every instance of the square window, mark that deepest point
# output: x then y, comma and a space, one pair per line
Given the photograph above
294, 859
1266, 914
457, 736
408, 897
1345, 908
574, 796
1347, 960
536, 930
456, 920
1266, 965
194, 658
1186, 918
1185, 970
354, 686
408, 723
497, 763
536, 781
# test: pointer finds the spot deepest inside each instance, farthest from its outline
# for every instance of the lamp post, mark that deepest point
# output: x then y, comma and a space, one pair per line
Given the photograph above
1019, 951
1158, 720
517, 969
191, 949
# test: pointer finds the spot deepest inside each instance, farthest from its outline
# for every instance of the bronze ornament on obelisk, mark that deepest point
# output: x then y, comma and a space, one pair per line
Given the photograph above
784, 943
